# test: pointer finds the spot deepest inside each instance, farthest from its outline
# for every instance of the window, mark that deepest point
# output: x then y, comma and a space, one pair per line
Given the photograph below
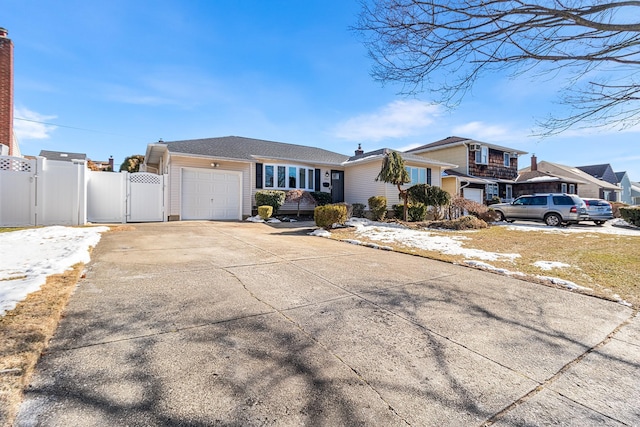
563, 187
288, 177
268, 176
310, 177
507, 159
572, 188
492, 191
482, 156
419, 175
303, 177
292, 177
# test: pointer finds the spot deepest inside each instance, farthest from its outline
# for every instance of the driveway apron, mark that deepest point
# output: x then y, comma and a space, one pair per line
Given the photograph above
243, 324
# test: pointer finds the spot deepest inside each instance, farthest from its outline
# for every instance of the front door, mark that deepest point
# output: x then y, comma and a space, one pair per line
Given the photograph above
337, 186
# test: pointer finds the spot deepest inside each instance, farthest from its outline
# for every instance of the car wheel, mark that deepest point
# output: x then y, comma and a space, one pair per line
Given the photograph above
553, 220
599, 222
502, 217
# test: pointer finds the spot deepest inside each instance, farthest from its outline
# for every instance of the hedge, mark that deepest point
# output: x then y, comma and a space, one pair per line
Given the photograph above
378, 207
631, 215
273, 198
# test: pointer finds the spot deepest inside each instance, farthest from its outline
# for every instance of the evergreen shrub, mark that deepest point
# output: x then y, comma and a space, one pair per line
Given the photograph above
327, 215
273, 198
377, 207
265, 212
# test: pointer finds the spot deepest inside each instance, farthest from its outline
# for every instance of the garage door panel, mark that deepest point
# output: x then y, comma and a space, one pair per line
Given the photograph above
211, 194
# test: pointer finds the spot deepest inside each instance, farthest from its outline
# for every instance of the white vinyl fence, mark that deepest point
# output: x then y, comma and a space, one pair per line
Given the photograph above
49, 192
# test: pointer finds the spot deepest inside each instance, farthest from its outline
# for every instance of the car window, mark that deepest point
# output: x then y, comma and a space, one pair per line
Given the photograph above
563, 200
539, 201
522, 201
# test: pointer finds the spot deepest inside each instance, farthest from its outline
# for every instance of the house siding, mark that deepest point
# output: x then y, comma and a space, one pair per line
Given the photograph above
175, 177
360, 184
456, 155
495, 167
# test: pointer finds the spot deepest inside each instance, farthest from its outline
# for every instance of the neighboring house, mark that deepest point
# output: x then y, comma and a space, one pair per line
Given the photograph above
62, 155
635, 193
604, 172
625, 185
101, 165
534, 181
483, 171
590, 187
217, 178
362, 169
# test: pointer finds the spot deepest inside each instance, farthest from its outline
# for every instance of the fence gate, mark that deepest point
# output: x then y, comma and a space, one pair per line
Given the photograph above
145, 197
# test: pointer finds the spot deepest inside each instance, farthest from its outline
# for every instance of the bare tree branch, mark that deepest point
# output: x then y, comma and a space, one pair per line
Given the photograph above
444, 47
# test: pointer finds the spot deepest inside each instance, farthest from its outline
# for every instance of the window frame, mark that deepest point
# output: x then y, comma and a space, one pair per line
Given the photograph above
482, 156
422, 177
283, 175
507, 159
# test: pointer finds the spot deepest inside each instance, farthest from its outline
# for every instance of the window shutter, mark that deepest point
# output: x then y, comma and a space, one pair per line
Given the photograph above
429, 176
258, 175
317, 179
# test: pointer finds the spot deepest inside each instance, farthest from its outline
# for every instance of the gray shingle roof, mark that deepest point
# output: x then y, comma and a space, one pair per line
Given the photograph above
249, 149
62, 155
407, 157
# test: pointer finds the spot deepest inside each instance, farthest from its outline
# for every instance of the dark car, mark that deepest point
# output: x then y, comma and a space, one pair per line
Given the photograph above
554, 209
599, 210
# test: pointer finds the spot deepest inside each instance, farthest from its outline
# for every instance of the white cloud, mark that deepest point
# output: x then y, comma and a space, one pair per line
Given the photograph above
484, 132
395, 120
28, 124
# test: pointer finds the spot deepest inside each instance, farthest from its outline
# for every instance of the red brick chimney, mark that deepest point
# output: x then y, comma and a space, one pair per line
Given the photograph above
534, 163
6, 90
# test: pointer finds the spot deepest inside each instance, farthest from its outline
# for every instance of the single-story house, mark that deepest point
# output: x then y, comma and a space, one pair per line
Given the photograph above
217, 178
591, 187
533, 181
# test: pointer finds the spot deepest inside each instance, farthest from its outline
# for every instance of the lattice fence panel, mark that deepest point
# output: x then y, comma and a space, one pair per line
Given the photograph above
145, 178
15, 164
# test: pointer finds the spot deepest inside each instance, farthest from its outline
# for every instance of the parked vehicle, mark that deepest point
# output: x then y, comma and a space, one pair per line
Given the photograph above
554, 209
599, 210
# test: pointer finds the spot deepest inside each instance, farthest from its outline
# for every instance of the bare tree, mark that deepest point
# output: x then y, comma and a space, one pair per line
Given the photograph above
445, 46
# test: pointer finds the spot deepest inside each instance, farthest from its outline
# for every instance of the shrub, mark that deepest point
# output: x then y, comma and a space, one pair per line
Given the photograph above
358, 210
615, 208
463, 223
429, 196
265, 212
321, 197
631, 215
460, 206
417, 212
299, 196
398, 210
377, 207
327, 215
273, 198
489, 216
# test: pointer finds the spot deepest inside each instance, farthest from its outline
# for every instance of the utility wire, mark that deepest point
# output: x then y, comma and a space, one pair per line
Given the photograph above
63, 126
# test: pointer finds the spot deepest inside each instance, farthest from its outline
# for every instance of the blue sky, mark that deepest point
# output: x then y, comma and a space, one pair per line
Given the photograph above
117, 75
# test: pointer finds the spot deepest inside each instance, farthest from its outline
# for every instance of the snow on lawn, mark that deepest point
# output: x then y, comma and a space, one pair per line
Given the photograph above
397, 233
29, 256
390, 233
615, 226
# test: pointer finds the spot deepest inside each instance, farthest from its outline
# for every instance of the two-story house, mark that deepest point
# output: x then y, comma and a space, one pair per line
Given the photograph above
485, 171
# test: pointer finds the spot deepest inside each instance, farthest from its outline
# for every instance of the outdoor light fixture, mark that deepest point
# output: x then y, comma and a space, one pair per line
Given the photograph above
326, 174
215, 165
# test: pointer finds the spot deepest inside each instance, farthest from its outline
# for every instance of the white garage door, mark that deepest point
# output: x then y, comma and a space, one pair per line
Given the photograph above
209, 194
474, 194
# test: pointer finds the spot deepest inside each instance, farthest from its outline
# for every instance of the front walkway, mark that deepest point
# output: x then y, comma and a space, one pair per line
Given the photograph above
204, 323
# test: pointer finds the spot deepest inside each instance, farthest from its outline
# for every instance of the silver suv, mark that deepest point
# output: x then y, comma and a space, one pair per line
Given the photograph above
554, 209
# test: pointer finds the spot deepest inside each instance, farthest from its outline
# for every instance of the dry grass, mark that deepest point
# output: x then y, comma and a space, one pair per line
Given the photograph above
24, 334
608, 264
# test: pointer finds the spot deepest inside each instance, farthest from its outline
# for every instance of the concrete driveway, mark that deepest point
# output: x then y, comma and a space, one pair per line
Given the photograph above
242, 324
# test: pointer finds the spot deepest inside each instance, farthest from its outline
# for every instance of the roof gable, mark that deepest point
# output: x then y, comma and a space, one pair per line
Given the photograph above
453, 141
407, 157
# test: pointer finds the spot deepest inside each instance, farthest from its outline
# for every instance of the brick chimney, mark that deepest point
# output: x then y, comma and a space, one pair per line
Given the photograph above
111, 163
534, 162
6, 90
359, 151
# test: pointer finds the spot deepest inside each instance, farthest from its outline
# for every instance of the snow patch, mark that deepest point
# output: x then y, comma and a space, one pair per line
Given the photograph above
566, 283
29, 256
549, 265
320, 232
489, 267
